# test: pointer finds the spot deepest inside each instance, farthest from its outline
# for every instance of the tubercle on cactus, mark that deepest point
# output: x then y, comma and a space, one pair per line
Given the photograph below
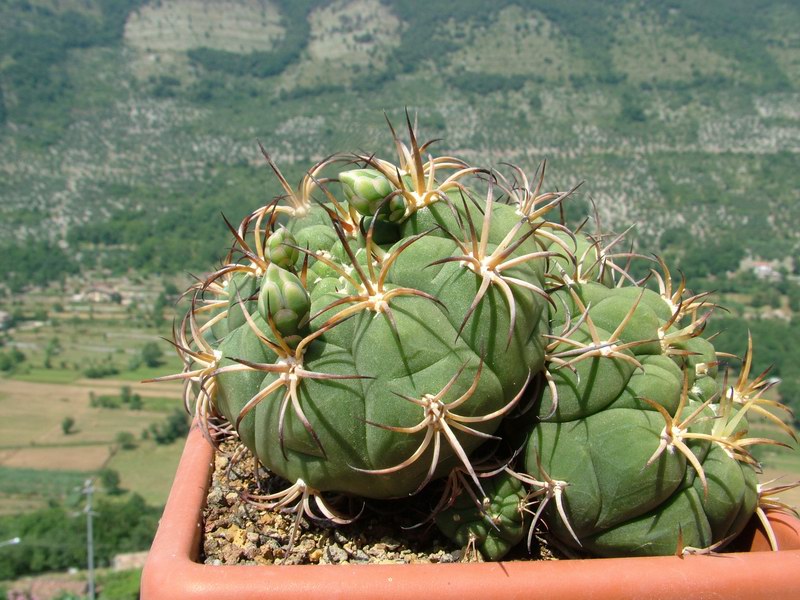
768, 500
376, 345
439, 420
370, 288
300, 198
609, 347
749, 393
540, 494
676, 431
673, 295
290, 372
490, 265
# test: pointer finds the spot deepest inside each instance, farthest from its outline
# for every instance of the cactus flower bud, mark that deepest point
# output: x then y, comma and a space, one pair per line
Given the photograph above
279, 249
284, 298
365, 189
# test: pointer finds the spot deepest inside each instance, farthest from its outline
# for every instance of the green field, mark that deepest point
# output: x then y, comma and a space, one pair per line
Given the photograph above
39, 462
148, 470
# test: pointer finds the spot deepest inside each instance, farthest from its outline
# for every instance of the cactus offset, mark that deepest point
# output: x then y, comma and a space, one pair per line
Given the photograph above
370, 331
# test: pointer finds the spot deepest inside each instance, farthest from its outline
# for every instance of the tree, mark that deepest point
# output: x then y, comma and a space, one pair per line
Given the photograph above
52, 349
110, 480
125, 394
173, 427
152, 354
136, 402
67, 424
126, 440
157, 315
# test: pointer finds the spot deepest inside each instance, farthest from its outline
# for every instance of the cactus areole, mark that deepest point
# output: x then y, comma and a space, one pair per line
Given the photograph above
385, 328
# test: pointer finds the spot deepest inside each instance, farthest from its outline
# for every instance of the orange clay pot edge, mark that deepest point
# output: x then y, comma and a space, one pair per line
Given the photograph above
172, 573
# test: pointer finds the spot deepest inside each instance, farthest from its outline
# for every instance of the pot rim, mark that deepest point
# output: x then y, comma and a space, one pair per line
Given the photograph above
172, 569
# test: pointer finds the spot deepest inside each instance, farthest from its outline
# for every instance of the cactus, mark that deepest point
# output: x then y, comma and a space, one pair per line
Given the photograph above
384, 340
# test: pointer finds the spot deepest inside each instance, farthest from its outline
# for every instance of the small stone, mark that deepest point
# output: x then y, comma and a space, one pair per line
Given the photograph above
361, 556
214, 498
250, 551
231, 555
339, 537
450, 557
336, 554
315, 555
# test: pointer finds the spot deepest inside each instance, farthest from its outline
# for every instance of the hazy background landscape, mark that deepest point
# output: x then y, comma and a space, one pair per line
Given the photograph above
128, 126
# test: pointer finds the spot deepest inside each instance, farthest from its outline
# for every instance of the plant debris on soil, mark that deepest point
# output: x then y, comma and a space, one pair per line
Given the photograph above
238, 531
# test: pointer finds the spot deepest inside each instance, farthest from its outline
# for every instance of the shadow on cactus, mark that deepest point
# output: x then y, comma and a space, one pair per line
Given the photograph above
390, 328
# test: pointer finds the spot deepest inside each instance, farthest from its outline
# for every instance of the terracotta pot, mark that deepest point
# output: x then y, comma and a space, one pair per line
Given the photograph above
172, 571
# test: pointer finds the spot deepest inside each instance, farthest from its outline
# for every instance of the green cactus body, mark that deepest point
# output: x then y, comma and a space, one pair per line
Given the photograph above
242, 288
633, 441
382, 340
494, 527
420, 361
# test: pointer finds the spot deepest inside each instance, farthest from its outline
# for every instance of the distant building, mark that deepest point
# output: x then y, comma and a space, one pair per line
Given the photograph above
97, 294
5, 320
766, 271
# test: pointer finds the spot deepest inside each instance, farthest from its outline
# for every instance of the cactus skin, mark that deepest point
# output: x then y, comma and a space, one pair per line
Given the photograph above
371, 344
494, 527
618, 404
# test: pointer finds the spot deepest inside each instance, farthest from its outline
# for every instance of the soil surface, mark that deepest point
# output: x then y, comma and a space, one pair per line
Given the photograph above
239, 531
